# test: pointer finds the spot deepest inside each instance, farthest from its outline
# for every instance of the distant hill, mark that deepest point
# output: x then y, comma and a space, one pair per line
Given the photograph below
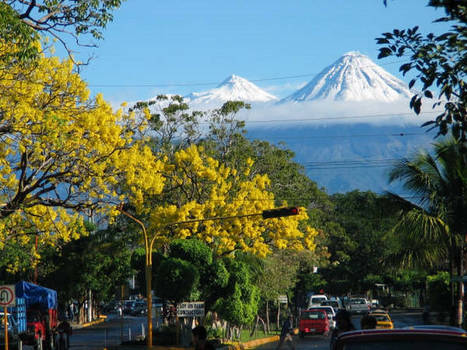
347, 157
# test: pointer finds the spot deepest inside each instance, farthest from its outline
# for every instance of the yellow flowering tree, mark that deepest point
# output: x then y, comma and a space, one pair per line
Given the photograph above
63, 153
200, 187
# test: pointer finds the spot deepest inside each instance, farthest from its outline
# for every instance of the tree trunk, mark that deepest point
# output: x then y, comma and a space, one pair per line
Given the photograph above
452, 289
89, 310
278, 315
255, 326
460, 296
267, 316
264, 325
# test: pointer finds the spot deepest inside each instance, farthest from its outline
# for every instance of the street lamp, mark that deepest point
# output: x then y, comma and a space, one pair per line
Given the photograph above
148, 244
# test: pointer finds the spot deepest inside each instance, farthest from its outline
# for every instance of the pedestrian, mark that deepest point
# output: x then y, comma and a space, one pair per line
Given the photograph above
343, 324
71, 315
64, 331
286, 334
368, 322
199, 336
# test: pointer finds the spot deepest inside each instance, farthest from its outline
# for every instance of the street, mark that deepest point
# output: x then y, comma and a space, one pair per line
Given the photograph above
319, 342
111, 332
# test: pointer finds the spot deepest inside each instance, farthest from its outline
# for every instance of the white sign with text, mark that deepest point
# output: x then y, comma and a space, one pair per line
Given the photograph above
190, 309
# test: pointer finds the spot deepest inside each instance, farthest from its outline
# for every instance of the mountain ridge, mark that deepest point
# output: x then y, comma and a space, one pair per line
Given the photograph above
352, 77
233, 88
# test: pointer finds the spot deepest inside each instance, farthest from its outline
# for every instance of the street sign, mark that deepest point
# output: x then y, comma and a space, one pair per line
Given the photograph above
7, 295
282, 299
190, 309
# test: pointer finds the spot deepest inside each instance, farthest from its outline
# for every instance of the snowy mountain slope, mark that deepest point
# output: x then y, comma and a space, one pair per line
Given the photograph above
234, 88
353, 77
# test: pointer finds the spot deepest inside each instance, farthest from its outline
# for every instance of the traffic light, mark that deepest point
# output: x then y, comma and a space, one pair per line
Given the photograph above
280, 212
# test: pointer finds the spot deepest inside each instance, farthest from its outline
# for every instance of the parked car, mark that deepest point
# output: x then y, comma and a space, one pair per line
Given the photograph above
313, 321
358, 306
402, 339
336, 304
382, 319
139, 308
12, 331
330, 313
316, 300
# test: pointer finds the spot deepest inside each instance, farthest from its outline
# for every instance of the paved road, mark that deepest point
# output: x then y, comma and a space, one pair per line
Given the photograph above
108, 333
320, 342
111, 332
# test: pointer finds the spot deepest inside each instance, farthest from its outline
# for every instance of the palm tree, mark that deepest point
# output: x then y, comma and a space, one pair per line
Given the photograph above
435, 222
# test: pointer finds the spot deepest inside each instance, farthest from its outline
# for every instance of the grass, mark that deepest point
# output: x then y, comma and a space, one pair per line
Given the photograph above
245, 335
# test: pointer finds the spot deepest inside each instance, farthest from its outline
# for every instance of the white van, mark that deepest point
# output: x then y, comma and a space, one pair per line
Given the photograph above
316, 300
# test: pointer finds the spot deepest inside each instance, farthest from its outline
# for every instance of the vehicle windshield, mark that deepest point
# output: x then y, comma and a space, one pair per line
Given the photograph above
312, 316
405, 345
318, 300
381, 318
330, 303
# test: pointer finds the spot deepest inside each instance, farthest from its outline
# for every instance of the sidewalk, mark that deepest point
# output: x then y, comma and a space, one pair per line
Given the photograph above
236, 346
101, 319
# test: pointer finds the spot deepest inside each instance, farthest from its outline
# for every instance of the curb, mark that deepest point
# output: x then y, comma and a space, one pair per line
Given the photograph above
237, 346
250, 344
101, 319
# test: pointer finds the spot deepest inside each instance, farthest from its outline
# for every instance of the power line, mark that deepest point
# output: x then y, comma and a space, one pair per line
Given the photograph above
186, 84
401, 134
332, 118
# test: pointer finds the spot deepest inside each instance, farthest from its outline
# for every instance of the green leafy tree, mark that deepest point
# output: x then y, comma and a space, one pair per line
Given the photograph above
99, 262
173, 125
438, 291
437, 215
239, 301
22, 21
439, 62
357, 239
176, 279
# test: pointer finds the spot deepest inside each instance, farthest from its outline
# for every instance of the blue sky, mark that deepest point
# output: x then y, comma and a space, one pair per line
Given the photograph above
153, 46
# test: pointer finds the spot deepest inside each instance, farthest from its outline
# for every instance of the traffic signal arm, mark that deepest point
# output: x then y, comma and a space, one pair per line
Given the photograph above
280, 212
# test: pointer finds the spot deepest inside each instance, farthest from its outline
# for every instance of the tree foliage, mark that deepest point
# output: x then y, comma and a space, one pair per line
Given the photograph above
437, 216
200, 187
98, 262
238, 303
22, 21
439, 62
63, 153
357, 240
176, 279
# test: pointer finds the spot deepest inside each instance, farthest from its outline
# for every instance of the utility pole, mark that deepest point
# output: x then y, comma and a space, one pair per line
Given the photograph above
149, 243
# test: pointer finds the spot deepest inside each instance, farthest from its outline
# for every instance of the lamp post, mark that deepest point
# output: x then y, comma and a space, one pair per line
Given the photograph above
148, 244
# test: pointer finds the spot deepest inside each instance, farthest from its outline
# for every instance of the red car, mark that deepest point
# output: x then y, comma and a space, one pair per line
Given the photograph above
313, 321
403, 339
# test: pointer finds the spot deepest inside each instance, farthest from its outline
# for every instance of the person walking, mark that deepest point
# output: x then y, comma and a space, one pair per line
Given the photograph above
199, 337
286, 334
64, 332
343, 324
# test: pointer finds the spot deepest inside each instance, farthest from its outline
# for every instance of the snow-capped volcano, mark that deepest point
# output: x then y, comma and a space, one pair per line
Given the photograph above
353, 77
234, 88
